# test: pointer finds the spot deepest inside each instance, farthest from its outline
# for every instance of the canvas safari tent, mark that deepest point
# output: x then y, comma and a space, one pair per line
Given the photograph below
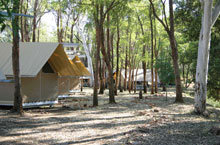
42, 65
73, 81
85, 79
76, 60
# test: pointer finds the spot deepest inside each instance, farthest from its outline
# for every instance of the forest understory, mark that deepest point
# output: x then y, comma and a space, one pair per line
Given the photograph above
152, 120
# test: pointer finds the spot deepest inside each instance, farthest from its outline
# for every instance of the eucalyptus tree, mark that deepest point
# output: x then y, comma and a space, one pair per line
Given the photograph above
208, 20
15, 59
188, 17
142, 15
118, 15
169, 28
101, 10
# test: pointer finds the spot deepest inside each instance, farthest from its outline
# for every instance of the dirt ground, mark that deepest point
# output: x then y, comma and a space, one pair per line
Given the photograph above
131, 121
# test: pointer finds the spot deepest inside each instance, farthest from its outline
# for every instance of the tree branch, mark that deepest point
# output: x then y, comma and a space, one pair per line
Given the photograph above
161, 21
112, 5
216, 12
164, 12
139, 19
78, 38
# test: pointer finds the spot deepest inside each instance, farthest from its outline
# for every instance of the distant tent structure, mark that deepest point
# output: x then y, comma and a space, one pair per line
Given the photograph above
140, 77
41, 67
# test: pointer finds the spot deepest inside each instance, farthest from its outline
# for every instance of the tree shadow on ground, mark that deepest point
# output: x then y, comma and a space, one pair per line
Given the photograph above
184, 133
12, 126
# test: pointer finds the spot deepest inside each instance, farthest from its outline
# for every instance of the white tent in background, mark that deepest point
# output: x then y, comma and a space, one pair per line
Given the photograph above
140, 75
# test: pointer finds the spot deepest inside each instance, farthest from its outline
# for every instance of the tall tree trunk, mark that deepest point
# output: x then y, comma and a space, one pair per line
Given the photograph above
135, 86
38, 32
155, 54
15, 60
112, 49
143, 55
103, 74
120, 77
132, 77
183, 73
144, 69
156, 85
96, 70
126, 66
59, 26
170, 32
117, 54
129, 77
152, 52
21, 21
71, 33
102, 87
26, 31
179, 97
130, 69
34, 21
203, 58
108, 64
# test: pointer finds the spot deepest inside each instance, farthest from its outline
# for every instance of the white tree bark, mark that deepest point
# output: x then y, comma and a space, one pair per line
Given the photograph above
87, 48
208, 21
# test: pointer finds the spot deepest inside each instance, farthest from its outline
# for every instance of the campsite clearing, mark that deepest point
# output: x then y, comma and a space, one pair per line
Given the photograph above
131, 121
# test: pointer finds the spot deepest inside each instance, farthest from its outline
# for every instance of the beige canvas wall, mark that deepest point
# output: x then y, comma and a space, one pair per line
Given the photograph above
43, 87
66, 84
7, 93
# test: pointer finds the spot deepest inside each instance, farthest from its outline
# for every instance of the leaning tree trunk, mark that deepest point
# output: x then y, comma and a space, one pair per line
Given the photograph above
203, 59
15, 60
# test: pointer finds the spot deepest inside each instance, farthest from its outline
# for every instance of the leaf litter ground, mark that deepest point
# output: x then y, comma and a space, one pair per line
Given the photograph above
131, 121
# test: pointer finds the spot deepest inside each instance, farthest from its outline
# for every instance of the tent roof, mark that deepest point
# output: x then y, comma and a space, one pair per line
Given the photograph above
61, 64
33, 56
84, 71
